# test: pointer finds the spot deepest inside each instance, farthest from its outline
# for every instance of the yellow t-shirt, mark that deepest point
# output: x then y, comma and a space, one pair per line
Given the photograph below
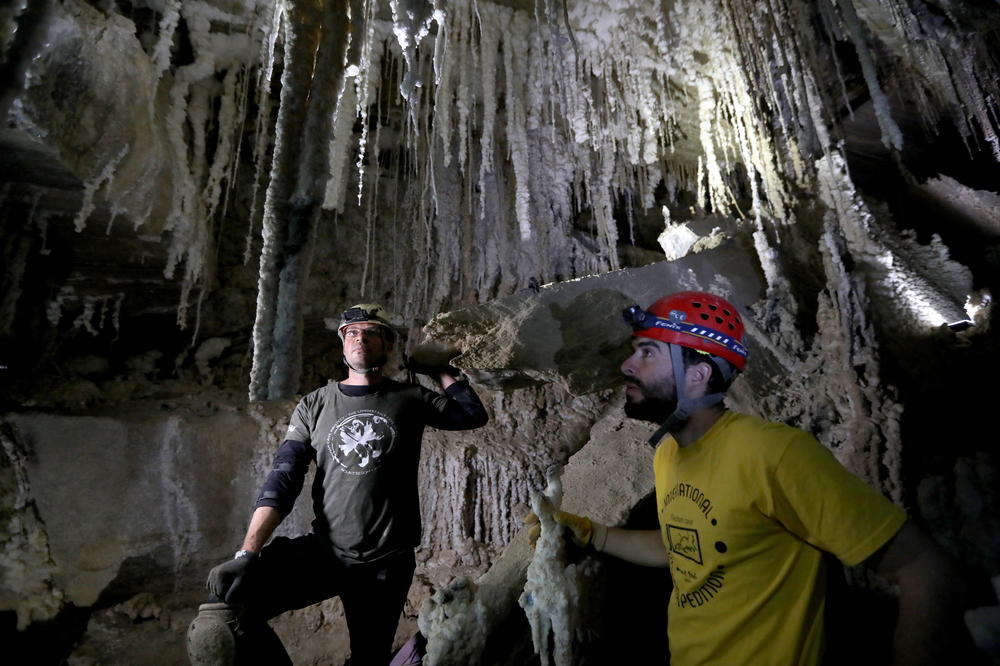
745, 513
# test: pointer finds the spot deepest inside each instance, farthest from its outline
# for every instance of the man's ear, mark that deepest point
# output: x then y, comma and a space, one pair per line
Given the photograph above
698, 375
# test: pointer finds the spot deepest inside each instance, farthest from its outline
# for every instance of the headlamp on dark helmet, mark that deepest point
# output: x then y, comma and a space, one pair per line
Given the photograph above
367, 313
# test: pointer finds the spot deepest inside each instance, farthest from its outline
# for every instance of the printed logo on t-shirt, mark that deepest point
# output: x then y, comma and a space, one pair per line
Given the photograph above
359, 441
687, 519
684, 541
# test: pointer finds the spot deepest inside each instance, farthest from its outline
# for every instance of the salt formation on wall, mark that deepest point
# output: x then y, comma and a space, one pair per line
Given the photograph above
608, 476
475, 487
25, 561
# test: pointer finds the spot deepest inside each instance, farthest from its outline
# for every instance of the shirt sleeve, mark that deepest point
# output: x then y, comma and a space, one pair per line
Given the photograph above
284, 483
458, 409
301, 422
816, 498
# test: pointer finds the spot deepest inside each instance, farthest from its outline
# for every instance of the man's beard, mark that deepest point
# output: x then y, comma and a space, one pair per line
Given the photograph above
655, 406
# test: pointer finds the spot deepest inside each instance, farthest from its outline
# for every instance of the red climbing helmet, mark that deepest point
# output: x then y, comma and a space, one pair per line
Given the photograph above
693, 319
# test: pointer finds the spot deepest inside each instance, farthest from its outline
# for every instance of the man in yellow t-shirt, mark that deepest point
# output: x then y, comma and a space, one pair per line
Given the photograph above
747, 508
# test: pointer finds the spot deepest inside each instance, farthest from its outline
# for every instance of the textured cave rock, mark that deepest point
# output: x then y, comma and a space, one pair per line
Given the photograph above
571, 333
605, 479
91, 122
505, 177
105, 513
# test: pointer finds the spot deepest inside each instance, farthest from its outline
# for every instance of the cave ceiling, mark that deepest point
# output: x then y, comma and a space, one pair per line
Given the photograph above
158, 153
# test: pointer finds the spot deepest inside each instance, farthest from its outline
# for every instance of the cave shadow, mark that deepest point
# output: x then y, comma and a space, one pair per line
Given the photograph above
633, 605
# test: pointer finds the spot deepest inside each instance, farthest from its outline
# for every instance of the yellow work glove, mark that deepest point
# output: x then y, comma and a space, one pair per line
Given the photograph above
583, 529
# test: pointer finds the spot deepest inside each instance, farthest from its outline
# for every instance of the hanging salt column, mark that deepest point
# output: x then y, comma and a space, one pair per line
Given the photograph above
553, 588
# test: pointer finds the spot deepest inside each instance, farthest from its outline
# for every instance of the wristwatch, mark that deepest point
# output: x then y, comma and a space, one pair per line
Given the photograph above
243, 553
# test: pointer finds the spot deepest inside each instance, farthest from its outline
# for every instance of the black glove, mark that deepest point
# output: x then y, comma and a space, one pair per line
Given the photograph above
224, 580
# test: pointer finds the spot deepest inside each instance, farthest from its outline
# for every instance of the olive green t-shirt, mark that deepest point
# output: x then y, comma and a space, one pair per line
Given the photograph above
367, 451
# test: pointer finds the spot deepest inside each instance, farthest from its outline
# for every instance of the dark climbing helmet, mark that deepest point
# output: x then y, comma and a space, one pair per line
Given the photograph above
367, 313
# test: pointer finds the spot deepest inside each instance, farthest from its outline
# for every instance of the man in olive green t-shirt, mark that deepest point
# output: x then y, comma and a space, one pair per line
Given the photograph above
364, 436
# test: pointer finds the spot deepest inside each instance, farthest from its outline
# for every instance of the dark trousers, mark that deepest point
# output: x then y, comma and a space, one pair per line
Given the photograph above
295, 573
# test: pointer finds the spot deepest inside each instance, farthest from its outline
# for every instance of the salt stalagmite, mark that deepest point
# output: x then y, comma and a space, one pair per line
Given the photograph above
554, 586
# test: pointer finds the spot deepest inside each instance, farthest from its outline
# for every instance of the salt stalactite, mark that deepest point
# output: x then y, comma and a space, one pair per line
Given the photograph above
344, 116
168, 25
186, 221
306, 198
367, 84
554, 586
269, 55
444, 79
717, 195
224, 150
15, 244
315, 48
467, 66
601, 205
26, 567
198, 114
489, 42
90, 188
411, 21
923, 48
515, 60
271, 230
892, 137
98, 311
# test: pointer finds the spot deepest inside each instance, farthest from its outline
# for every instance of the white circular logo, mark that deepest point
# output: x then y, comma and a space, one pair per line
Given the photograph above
359, 441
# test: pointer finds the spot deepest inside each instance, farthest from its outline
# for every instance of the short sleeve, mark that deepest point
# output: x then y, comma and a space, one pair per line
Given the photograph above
816, 498
300, 425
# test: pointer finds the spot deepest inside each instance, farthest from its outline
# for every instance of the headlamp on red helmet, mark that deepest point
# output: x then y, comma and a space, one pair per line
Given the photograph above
693, 319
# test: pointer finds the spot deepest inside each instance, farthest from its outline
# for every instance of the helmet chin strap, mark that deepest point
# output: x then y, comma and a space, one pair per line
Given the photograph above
367, 371
685, 405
